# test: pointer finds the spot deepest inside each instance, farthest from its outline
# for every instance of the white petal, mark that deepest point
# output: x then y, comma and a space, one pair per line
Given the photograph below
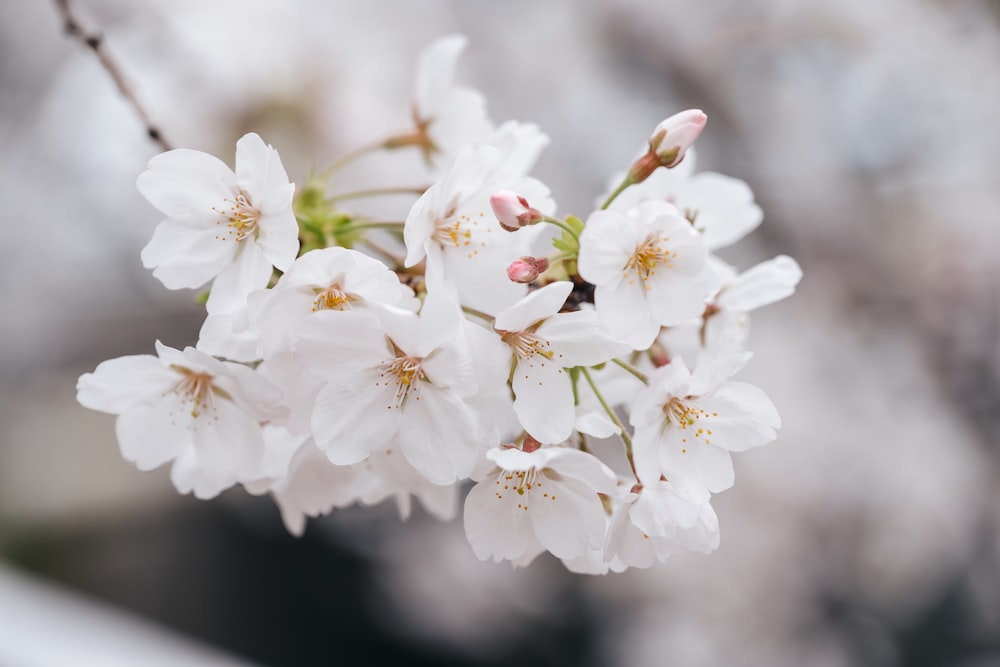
435, 71
625, 312
685, 460
249, 271
261, 175
182, 256
570, 521
725, 208
494, 525
117, 385
229, 449
607, 242
218, 338
543, 400
761, 285
278, 237
185, 183
741, 416
584, 467
355, 416
330, 343
439, 436
538, 305
580, 339
151, 435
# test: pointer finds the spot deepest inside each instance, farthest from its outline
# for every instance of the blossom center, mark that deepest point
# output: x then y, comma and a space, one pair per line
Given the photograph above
196, 391
527, 346
525, 483
461, 231
406, 374
648, 256
239, 216
690, 419
332, 298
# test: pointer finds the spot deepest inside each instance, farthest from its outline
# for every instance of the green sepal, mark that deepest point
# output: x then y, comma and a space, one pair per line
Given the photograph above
568, 244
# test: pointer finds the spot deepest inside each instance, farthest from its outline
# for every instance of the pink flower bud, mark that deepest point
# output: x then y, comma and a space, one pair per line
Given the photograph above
513, 210
527, 269
673, 136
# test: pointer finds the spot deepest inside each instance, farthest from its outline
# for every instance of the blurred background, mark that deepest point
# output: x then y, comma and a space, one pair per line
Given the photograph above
867, 534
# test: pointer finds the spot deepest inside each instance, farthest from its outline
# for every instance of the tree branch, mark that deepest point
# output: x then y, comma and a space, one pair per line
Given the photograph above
95, 42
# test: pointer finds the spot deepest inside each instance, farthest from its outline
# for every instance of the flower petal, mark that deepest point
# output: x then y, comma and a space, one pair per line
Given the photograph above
185, 183
543, 400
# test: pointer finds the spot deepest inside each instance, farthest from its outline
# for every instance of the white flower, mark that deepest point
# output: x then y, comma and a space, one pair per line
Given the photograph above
230, 227
546, 499
656, 519
393, 377
452, 224
722, 208
447, 116
189, 408
687, 423
544, 343
649, 267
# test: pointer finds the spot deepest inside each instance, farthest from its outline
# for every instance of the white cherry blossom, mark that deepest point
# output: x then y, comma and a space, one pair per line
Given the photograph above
649, 267
393, 379
545, 343
656, 520
186, 407
686, 423
546, 499
452, 224
447, 116
229, 227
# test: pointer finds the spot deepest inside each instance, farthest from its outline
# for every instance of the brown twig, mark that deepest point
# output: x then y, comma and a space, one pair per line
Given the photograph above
95, 42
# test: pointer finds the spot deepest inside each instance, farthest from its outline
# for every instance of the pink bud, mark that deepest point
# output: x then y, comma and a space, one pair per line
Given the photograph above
513, 210
527, 269
673, 136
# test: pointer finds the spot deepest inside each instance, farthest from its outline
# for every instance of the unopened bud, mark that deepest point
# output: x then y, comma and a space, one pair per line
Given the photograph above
513, 210
527, 269
673, 136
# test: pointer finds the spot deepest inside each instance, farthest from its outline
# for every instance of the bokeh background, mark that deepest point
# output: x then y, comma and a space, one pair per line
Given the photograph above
867, 534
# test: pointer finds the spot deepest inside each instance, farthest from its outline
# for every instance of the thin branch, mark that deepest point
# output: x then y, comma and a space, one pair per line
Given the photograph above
95, 42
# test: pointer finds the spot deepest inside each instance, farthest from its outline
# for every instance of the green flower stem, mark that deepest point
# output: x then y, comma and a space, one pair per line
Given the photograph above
562, 225
642, 377
614, 418
377, 192
627, 181
394, 226
344, 160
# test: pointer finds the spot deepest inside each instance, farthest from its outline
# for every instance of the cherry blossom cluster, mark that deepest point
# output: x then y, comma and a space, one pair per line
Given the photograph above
577, 371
